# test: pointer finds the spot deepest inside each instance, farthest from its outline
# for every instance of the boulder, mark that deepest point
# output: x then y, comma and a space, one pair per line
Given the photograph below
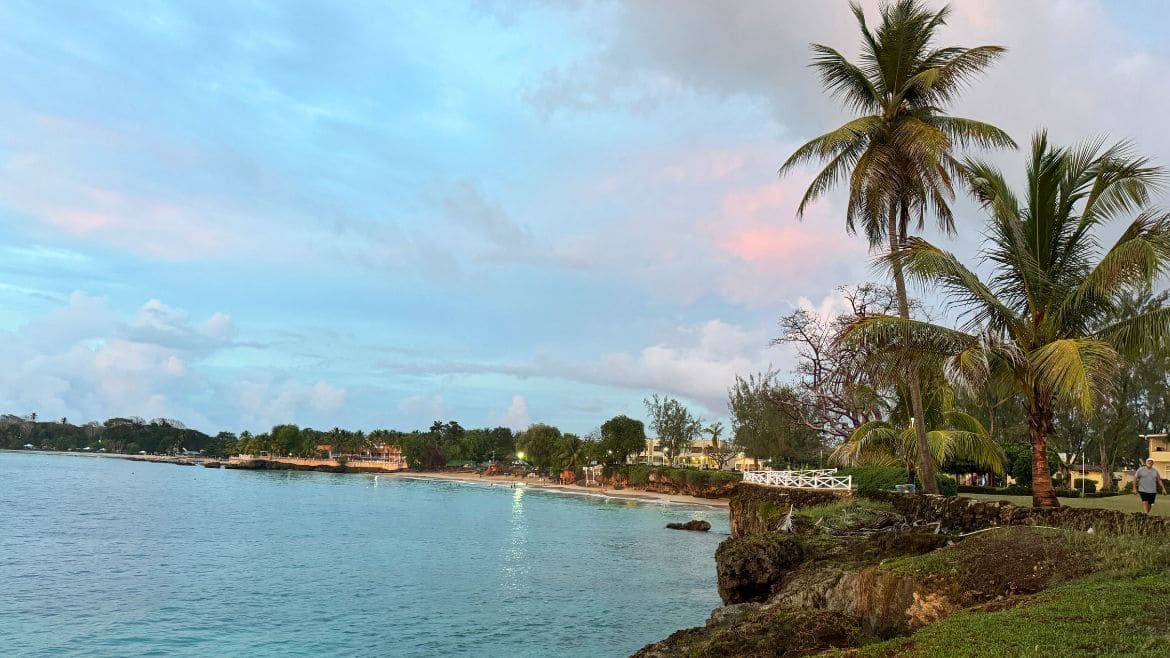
748, 567
696, 525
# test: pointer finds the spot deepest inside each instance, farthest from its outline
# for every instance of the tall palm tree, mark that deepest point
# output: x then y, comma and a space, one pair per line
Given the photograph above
898, 154
953, 434
1050, 318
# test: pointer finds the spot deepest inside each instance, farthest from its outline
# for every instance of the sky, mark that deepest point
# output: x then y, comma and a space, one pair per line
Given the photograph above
378, 215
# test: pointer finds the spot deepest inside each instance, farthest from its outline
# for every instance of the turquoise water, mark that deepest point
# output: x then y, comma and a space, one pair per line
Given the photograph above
108, 557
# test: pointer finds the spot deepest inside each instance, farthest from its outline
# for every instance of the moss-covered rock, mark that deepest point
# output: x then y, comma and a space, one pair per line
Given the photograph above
773, 631
757, 509
748, 567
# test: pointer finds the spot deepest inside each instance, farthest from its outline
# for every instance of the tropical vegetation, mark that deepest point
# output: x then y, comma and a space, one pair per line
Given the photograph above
1048, 320
897, 156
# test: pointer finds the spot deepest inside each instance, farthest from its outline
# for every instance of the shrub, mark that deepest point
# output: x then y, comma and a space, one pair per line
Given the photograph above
948, 486
1067, 493
871, 479
1086, 485
637, 474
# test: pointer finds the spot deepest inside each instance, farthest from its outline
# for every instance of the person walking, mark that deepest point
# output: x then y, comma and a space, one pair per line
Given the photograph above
1147, 482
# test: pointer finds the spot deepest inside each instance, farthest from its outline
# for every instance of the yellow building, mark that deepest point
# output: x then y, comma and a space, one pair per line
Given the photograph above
698, 456
1094, 473
1159, 445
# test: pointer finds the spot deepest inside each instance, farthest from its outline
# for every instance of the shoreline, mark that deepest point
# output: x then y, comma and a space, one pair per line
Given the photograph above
636, 495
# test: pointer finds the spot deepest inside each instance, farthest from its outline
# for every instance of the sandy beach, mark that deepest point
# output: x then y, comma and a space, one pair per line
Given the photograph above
534, 483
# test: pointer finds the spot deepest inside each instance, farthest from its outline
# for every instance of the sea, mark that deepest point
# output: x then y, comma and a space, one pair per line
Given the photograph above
101, 556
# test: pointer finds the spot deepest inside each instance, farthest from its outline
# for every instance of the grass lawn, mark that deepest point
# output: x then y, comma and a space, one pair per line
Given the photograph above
1126, 503
1119, 611
1100, 616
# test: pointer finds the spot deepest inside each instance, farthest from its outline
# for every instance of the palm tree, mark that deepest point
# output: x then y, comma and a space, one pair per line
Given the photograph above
898, 154
953, 435
1049, 320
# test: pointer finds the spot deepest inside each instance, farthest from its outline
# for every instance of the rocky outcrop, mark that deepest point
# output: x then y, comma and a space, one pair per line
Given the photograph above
697, 525
861, 572
955, 514
761, 632
749, 567
885, 603
756, 509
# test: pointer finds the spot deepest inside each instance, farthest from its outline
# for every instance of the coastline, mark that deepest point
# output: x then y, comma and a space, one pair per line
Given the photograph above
637, 495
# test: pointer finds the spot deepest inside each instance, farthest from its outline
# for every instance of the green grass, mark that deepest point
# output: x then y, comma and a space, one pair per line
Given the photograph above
1125, 503
1118, 611
1103, 615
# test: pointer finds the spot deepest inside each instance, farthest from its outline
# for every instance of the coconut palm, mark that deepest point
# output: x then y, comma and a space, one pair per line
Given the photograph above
952, 435
1049, 319
898, 154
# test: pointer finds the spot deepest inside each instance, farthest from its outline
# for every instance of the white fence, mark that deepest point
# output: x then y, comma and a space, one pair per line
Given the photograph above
817, 479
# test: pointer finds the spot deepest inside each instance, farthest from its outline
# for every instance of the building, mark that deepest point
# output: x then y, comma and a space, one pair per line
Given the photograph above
1095, 474
1159, 451
380, 452
698, 456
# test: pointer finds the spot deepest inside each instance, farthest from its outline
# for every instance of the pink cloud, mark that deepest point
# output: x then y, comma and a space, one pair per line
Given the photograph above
759, 226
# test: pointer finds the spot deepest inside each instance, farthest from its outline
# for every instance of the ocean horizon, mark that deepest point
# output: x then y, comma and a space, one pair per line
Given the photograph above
104, 556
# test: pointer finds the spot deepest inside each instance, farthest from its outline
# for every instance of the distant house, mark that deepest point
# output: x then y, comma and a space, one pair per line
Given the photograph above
379, 452
697, 455
29, 446
1159, 446
1095, 474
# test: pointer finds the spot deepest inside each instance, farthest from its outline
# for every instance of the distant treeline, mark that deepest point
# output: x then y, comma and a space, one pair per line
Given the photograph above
444, 444
130, 435
760, 430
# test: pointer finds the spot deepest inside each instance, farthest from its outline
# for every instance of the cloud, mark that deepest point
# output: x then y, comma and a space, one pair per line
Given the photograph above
516, 417
87, 361
76, 361
160, 324
698, 362
649, 55
497, 236
266, 399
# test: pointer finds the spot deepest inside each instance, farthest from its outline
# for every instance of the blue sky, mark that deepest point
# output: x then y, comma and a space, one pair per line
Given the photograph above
383, 214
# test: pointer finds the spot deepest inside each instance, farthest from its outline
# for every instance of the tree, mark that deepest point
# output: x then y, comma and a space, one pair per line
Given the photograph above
953, 436
1048, 320
622, 436
762, 424
572, 452
540, 444
673, 423
897, 156
422, 450
834, 393
449, 440
721, 451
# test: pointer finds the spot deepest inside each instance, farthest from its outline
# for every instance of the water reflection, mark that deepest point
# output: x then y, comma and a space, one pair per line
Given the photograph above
515, 565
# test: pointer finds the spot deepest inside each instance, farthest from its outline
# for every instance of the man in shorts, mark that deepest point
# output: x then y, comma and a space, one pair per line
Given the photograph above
1147, 482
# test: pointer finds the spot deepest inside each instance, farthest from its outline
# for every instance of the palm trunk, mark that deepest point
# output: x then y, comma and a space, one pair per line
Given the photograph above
926, 473
1106, 467
1039, 425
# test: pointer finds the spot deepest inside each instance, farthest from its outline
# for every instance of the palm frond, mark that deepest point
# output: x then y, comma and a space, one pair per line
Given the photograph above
1132, 335
1074, 371
844, 80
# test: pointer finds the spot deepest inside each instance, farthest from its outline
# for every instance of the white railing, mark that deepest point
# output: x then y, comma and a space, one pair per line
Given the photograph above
815, 479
